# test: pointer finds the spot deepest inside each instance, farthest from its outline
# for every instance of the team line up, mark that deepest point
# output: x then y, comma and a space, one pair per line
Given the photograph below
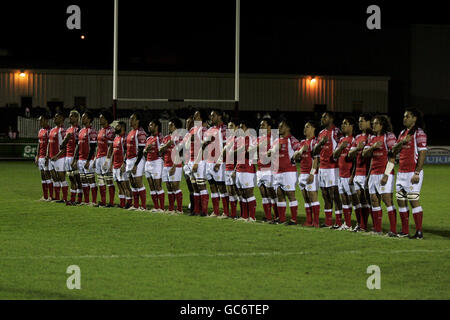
353, 171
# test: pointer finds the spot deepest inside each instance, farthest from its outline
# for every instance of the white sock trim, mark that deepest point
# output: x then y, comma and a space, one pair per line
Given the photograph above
417, 210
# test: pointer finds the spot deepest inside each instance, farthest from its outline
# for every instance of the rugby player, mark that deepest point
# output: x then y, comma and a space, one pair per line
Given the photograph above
308, 180
103, 170
116, 159
285, 172
55, 159
213, 141
171, 173
197, 165
412, 147
84, 158
345, 164
154, 165
328, 169
135, 161
362, 200
39, 160
381, 180
245, 172
264, 175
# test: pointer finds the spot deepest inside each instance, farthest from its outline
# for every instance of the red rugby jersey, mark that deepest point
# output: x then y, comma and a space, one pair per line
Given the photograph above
43, 141
153, 143
264, 162
73, 140
244, 164
380, 155
345, 164
135, 138
327, 160
217, 135
361, 163
306, 161
196, 143
231, 155
86, 136
55, 140
104, 138
118, 151
409, 154
168, 156
286, 148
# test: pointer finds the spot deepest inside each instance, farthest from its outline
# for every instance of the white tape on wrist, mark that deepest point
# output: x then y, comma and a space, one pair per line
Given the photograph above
389, 168
313, 171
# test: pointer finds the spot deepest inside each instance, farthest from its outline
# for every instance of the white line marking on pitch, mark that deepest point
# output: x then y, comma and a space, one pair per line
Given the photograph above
224, 254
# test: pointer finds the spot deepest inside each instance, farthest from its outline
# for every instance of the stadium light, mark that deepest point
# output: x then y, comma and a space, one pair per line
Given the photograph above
22, 74
313, 80
82, 37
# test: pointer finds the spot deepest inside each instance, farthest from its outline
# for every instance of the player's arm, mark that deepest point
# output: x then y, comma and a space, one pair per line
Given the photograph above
164, 147
419, 166
368, 151
92, 148
354, 150
398, 146
139, 155
318, 147
337, 152
62, 147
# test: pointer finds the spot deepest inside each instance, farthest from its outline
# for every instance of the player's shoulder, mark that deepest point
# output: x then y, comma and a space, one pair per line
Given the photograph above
323, 131
391, 135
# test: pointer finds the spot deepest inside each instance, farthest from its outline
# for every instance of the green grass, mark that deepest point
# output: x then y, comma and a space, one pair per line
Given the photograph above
135, 255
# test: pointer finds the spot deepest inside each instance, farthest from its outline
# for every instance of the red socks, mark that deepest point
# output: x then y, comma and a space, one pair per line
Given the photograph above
392, 214
45, 189
267, 208
94, 192
347, 215
404, 216
102, 194
251, 204
179, 197
161, 199
316, 212
171, 197
143, 196
293, 207
328, 217
112, 192
377, 215
282, 211
418, 216
233, 206
225, 200
215, 201
204, 196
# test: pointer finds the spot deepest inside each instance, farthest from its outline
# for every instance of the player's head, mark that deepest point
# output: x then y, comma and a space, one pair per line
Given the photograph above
105, 118
74, 117
189, 123
364, 122
86, 118
310, 129
244, 124
233, 124
216, 116
135, 119
327, 119
284, 127
348, 125
199, 115
43, 120
381, 124
174, 124
413, 118
119, 127
266, 123
154, 126
59, 119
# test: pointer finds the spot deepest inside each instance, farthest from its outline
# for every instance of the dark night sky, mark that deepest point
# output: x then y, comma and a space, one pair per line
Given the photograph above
278, 36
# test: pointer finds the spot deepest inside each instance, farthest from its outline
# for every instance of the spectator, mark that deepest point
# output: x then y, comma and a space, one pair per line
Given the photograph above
12, 134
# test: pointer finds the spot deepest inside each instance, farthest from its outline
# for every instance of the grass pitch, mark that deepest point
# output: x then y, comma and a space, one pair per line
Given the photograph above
135, 255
